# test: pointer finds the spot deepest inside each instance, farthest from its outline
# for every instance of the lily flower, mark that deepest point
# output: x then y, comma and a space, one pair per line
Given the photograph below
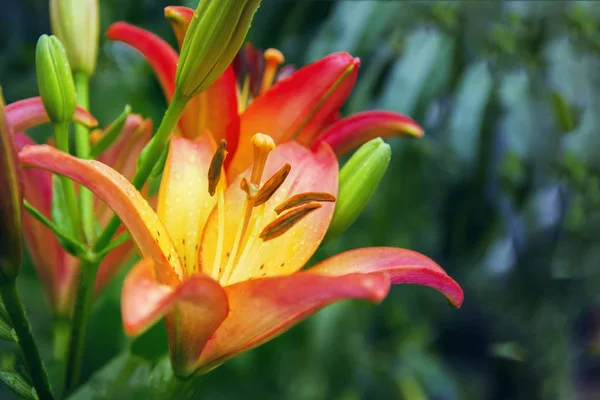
57, 269
223, 263
302, 105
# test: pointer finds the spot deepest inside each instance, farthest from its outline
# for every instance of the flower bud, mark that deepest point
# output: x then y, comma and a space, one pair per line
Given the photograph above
357, 183
75, 23
11, 203
213, 38
55, 81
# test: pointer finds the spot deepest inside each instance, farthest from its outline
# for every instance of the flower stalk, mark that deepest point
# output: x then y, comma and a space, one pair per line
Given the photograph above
82, 149
11, 210
31, 354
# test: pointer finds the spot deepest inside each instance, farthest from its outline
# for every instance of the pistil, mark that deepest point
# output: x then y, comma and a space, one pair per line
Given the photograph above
263, 145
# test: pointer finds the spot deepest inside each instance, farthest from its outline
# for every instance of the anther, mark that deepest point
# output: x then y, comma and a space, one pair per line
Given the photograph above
273, 59
96, 135
303, 198
270, 187
250, 188
216, 165
285, 222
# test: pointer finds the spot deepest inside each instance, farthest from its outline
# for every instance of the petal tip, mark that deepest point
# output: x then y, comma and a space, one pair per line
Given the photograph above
111, 32
456, 300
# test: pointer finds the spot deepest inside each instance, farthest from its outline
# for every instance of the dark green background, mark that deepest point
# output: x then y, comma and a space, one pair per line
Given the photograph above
503, 191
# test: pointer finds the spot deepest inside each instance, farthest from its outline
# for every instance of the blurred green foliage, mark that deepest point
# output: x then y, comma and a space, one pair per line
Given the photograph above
503, 191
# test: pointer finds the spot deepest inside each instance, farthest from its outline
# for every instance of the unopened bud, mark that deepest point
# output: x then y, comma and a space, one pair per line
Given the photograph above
55, 81
75, 23
11, 203
359, 179
213, 38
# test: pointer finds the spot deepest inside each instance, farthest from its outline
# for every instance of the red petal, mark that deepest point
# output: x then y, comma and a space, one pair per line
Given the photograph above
193, 310
349, 133
180, 18
403, 266
264, 308
297, 107
120, 195
215, 110
25, 114
56, 269
219, 111
157, 52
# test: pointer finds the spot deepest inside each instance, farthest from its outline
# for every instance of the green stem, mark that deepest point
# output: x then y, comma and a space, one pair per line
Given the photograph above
61, 329
84, 297
18, 317
83, 305
150, 156
82, 150
61, 136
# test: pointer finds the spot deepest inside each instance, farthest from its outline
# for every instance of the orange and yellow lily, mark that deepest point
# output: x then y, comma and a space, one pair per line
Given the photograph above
222, 263
302, 106
57, 269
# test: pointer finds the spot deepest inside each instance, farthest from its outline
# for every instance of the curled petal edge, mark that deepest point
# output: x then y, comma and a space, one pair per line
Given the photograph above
144, 300
28, 113
402, 266
349, 133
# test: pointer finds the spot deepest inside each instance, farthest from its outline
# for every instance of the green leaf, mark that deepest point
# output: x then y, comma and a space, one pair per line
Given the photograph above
110, 134
466, 120
410, 74
7, 332
18, 384
131, 377
73, 246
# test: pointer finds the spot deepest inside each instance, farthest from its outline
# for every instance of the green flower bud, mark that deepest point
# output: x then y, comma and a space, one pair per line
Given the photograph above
11, 203
75, 23
55, 81
213, 38
358, 180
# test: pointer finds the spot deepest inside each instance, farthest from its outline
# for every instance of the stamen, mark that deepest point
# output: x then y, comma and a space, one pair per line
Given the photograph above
273, 59
250, 253
216, 165
95, 135
250, 188
303, 198
270, 187
284, 223
220, 232
263, 145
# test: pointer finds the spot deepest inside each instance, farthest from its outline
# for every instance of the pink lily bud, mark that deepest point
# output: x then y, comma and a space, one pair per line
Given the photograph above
11, 203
